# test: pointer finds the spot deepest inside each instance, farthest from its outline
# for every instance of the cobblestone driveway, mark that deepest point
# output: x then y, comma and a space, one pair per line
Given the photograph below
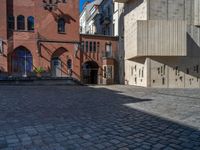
95, 118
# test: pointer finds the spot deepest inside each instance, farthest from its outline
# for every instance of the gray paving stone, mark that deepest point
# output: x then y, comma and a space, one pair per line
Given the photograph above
3, 144
94, 118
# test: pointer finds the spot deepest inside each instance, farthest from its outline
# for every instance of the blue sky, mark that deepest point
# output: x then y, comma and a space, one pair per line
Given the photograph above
81, 3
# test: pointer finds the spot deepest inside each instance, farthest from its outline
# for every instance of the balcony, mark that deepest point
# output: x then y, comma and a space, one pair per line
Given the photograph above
156, 38
105, 20
121, 1
107, 55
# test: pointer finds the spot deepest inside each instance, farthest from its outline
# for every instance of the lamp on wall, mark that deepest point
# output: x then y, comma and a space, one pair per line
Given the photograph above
51, 5
76, 48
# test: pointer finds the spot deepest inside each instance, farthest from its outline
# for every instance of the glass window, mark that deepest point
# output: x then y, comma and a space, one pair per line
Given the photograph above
98, 45
61, 25
105, 72
90, 46
69, 64
108, 50
94, 46
83, 46
87, 46
20, 23
11, 22
109, 72
30, 22
108, 10
132, 71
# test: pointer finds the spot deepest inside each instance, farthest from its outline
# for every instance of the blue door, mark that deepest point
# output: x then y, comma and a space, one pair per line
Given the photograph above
22, 62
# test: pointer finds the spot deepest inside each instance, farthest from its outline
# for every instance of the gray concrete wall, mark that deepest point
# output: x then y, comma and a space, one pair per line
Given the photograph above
171, 10
143, 43
175, 72
133, 10
161, 38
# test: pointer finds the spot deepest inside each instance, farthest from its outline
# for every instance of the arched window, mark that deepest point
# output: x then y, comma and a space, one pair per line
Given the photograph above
30, 22
61, 25
20, 23
11, 22
22, 61
69, 64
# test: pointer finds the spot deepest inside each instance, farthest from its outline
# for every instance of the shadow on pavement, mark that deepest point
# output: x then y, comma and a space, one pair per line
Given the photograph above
81, 117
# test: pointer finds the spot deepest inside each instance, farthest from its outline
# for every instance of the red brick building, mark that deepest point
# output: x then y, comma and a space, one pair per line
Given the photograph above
44, 35
99, 59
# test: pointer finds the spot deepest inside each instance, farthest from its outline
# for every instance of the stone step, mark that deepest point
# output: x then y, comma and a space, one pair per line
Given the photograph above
39, 81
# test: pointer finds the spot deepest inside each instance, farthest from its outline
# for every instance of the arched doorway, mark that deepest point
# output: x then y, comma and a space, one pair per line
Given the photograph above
22, 62
59, 62
90, 72
56, 67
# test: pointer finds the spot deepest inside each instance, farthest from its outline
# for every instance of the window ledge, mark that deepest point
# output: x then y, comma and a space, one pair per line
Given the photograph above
32, 31
61, 32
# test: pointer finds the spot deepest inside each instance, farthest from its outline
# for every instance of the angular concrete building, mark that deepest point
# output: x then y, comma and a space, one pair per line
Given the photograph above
162, 39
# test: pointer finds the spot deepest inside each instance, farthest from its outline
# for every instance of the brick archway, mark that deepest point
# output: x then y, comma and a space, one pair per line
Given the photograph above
90, 72
59, 63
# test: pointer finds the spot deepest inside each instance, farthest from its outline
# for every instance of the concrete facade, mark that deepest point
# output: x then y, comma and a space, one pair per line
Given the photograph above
162, 43
118, 30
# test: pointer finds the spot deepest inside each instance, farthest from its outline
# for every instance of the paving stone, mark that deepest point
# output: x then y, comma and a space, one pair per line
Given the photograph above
86, 136
158, 146
114, 141
3, 144
94, 118
12, 141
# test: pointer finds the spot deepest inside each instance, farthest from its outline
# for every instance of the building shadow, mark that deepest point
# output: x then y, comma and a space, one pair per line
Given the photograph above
94, 116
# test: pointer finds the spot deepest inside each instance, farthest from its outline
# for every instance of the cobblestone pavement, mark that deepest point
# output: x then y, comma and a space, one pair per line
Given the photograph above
95, 118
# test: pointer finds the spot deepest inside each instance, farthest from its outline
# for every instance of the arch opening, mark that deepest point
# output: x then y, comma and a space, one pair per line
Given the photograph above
90, 72
57, 63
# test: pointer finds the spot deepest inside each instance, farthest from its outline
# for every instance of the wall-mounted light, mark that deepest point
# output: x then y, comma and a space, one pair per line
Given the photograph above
76, 48
51, 5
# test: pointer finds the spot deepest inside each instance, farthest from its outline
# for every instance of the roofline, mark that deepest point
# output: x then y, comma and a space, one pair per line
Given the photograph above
100, 35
